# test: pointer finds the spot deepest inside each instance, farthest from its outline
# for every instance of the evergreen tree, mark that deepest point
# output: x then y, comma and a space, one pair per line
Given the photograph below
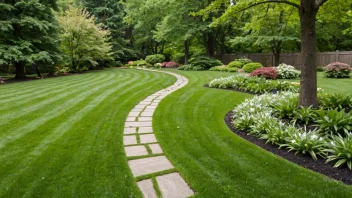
28, 34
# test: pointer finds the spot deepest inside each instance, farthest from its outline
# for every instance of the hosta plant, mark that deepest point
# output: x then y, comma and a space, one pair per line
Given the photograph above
263, 124
333, 101
340, 149
276, 134
311, 142
304, 115
287, 72
334, 121
285, 108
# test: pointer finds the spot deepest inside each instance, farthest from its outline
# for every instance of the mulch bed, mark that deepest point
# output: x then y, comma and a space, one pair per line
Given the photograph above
342, 174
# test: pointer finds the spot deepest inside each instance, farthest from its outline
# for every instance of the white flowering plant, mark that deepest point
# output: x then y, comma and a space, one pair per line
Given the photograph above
287, 72
311, 142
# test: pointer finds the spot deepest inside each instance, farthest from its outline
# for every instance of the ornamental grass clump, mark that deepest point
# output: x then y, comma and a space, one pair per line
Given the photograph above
337, 70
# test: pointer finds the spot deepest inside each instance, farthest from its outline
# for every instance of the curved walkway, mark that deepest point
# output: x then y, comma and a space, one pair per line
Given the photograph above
155, 174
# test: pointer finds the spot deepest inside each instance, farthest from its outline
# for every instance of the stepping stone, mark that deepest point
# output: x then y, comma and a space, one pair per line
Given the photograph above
147, 114
129, 140
156, 149
131, 119
150, 138
130, 131
138, 124
147, 188
133, 114
154, 104
139, 106
145, 129
132, 151
144, 103
137, 110
150, 107
173, 186
149, 165
149, 110
145, 118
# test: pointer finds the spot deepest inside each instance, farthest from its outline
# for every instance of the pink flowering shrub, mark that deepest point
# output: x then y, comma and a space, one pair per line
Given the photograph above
169, 64
266, 72
337, 70
130, 62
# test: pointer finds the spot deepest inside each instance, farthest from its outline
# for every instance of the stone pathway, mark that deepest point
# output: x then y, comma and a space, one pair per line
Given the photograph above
146, 158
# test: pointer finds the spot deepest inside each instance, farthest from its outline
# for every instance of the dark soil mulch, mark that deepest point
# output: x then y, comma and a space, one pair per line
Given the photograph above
343, 174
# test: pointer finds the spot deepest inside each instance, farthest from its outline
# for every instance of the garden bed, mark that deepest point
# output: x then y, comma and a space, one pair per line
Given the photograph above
342, 174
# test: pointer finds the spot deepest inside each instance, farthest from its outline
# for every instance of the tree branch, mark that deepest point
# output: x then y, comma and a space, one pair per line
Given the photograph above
319, 3
274, 1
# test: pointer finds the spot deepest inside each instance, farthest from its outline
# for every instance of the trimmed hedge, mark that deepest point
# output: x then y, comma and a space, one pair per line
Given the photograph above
248, 68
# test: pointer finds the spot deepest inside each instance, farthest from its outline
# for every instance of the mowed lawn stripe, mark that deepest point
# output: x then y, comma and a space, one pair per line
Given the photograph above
30, 86
216, 162
19, 132
74, 170
43, 91
30, 107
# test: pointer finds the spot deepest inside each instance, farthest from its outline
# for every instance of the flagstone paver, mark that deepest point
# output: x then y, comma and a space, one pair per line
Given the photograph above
139, 124
147, 188
173, 186
149, 165
132, 151
150, 138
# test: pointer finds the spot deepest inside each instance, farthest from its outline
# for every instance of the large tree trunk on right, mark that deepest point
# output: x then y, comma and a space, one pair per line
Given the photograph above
187, 43
308, 91
20, 73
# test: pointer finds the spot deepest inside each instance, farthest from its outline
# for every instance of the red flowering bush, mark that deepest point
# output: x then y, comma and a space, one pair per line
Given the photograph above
266, 72
337, 70
169, 64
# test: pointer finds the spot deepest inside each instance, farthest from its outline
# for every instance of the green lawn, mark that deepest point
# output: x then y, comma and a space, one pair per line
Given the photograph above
62, 137
216, 163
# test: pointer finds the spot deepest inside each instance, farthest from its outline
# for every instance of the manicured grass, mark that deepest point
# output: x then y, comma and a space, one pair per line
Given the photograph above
62, 137
189, 125
333, 85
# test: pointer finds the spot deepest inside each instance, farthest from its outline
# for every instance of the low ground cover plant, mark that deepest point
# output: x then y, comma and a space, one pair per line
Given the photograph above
252, 84
337, 70
277, 119
287, 72
224, 68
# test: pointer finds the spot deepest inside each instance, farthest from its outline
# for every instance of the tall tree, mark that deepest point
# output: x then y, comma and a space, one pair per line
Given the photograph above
28, 34
84, 41
308, 10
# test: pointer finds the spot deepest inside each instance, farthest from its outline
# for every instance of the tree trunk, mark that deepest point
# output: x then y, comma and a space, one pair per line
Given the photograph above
20, 74
187, 43
308, 91
211, 44
37, 71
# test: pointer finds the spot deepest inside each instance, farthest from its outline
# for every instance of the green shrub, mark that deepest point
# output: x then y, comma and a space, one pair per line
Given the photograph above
248, 68
190, 68
304, 115
139, 63
335, 101
232, 69
235, 64
204, 62
244, 60
156, 58
320, 69
334, 121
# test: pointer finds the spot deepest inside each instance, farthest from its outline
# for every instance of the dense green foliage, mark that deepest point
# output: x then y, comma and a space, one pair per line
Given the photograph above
249, 67
156, 58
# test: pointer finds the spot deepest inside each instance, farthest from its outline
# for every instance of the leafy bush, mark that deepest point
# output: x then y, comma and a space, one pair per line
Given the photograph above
170, 64
244, 60
190, 68
266, 72
249, 67
287, 72
204, 62
236, 64
340, 149
337, 70
334, 121
156, 58
333, 101
311, 142
320, 69
140, 63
